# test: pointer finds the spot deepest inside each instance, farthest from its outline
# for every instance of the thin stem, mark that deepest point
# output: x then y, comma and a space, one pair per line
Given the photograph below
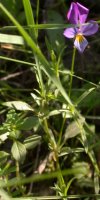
60, 176
70, 87
20, 187
7, 176
17, 169
41, 84
72, 70
37, 11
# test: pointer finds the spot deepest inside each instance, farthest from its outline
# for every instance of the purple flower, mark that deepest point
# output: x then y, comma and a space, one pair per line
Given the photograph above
77, 15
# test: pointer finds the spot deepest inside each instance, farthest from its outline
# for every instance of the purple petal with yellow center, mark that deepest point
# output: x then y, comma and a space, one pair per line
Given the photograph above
90, 28
82, 13
80, 43
77, 14
70, 32
73, 13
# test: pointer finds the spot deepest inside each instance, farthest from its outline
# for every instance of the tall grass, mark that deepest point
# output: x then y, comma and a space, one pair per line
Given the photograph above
48, 124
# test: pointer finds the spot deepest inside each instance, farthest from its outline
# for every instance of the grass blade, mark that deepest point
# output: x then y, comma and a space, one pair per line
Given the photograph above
45, 65
29, 17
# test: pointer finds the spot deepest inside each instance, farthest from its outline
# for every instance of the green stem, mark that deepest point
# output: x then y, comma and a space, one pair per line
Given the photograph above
60, 178
41, 85
72, 70
37, 11
17, 169
71, 81
20, 187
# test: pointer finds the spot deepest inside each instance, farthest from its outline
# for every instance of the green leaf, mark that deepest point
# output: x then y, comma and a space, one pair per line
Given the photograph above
92, 156
29, 123
4, 137
14, 134
84, 95
32, 141
57, 112
11, 39
3, 154
36, 98
13, 6
28, 12
68, 150
3, 157
19, 105
85, 169
74, 128
29, 17
96, 183
18, 151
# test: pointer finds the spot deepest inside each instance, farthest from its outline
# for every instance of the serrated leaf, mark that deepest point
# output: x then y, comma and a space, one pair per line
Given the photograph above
28, 123
32, 141
18, 151
19, 105
74, 128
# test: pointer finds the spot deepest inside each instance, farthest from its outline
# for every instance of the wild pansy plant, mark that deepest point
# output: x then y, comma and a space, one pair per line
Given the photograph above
77, 15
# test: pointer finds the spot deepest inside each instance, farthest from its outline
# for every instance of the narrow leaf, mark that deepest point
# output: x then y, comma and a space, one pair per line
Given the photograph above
29, 17
84, 95
19, 105
32, 141
11, 39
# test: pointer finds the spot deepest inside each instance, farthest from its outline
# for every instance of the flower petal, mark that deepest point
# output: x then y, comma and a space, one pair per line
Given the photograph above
70, 32
82, 13
77, 13
80, 43
90, 28
73, 13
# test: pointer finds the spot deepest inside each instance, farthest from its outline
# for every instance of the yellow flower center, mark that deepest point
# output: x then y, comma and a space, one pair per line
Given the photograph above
79, 38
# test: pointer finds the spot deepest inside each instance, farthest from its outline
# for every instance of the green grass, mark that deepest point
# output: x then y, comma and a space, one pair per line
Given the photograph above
49, 132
